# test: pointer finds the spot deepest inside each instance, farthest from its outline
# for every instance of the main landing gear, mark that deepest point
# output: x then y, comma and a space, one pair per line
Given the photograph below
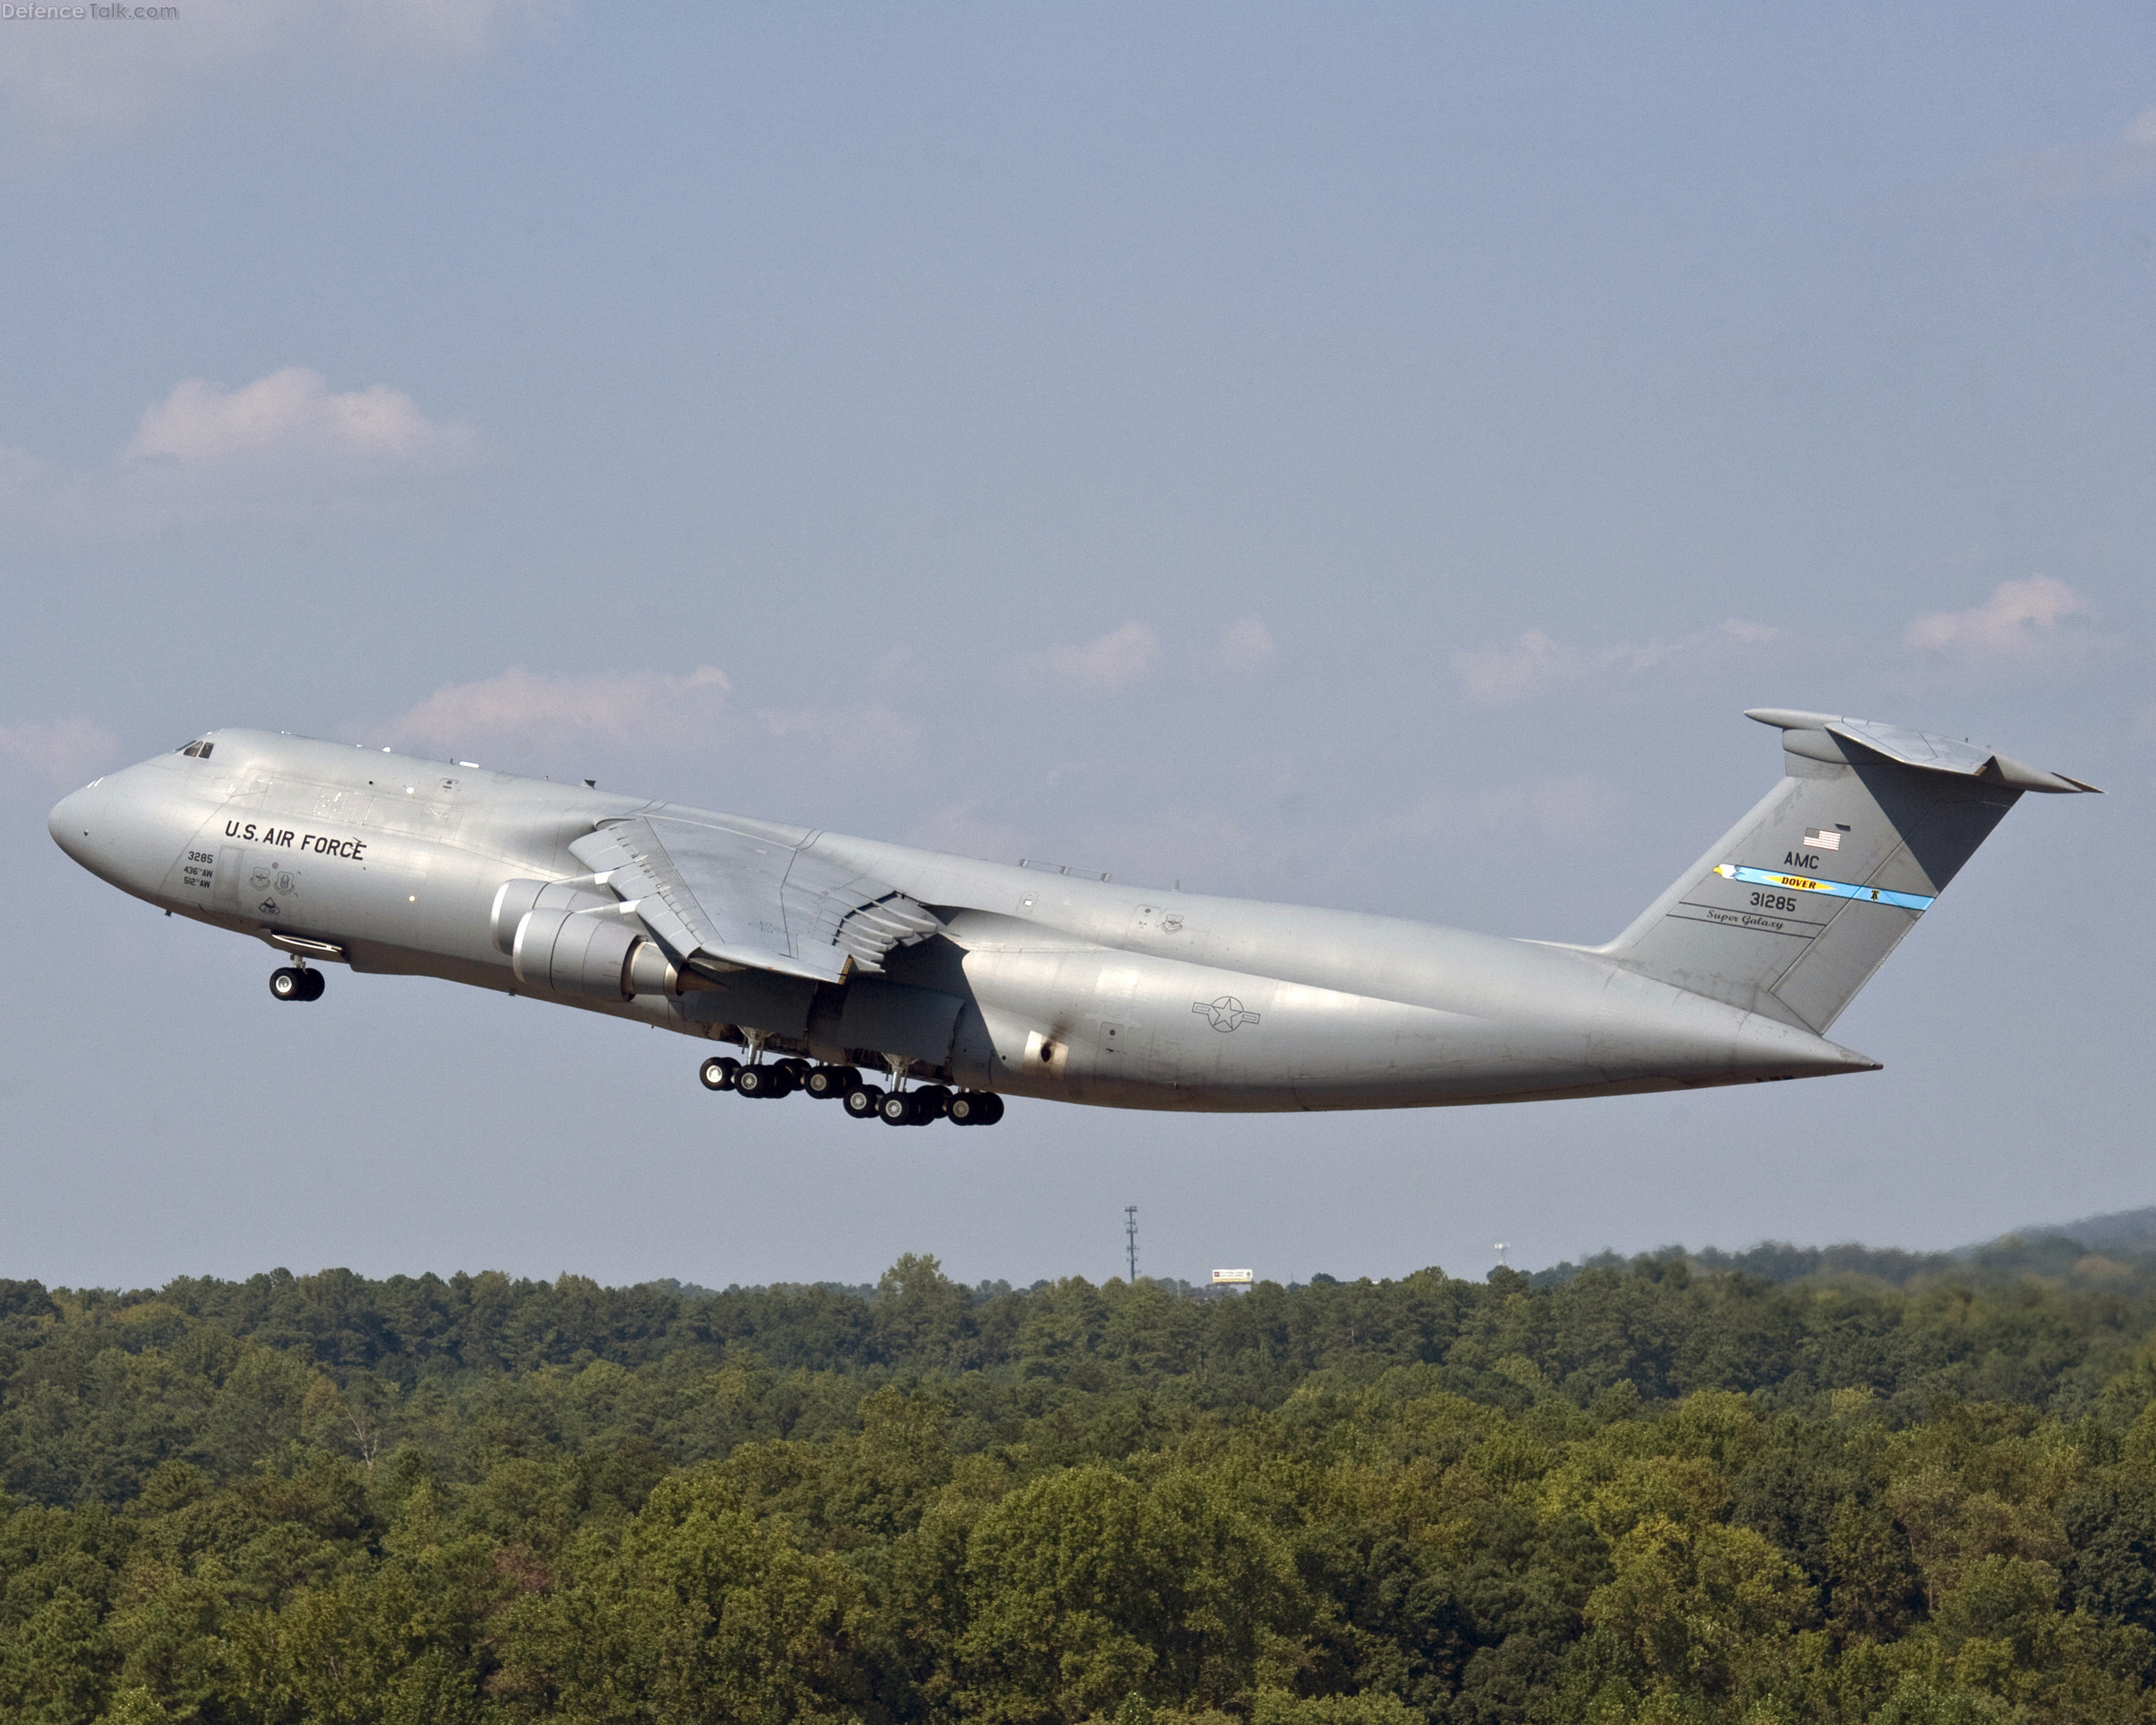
297, 982
863, 1099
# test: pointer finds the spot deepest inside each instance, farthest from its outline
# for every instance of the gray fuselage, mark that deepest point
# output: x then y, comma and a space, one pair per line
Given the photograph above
1068, 988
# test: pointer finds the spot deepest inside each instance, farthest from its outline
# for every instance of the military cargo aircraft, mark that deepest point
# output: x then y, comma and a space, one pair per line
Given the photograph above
834, 962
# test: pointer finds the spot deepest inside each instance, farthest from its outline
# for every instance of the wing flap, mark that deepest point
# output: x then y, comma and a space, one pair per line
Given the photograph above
643, 874
724, 900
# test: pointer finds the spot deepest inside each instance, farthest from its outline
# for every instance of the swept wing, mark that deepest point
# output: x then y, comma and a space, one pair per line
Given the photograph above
722, 900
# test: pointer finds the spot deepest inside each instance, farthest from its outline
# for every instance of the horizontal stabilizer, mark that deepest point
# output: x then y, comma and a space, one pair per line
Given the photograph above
1917, 749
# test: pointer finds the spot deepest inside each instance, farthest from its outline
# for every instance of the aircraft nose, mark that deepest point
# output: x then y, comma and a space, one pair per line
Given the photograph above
73, 822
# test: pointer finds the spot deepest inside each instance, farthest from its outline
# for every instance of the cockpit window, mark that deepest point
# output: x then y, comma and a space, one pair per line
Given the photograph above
200, 750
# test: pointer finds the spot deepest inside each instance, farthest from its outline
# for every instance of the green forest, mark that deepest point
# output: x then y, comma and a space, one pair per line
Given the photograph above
1773, 1486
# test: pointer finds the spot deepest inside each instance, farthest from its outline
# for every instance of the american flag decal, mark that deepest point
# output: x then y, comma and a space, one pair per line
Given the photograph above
1823, 838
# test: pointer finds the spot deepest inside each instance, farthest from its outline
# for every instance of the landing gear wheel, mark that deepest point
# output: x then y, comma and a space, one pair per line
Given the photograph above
976, 1108
864, 1101
932, 1102
316, 983
718, 1071
797, 1072
825, 1082
898, 1109
287, 983
764, 1081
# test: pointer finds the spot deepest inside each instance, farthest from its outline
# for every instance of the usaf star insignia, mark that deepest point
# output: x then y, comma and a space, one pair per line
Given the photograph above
1226, 1014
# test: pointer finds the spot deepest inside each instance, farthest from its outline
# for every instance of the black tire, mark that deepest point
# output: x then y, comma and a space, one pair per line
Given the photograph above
864, 1101
932, 1101
897, 1110
827, 1084
287, 983
764, 1081
795, 1069
718, 1071
316, 983
992, 1108
976, 1108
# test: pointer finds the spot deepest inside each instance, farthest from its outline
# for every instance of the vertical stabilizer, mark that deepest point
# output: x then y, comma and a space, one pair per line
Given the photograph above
1803, 899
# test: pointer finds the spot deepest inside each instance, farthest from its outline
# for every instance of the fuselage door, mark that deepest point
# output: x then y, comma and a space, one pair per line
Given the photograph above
226, 894
423, 807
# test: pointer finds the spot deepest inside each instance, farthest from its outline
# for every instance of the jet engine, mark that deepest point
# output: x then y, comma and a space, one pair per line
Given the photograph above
575, 953
515, 897
553, 942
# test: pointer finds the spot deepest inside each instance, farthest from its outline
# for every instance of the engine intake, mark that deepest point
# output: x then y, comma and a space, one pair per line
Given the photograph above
575, 954
516, 898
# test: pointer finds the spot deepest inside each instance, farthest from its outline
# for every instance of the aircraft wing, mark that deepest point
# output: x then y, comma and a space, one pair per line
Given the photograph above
725, 900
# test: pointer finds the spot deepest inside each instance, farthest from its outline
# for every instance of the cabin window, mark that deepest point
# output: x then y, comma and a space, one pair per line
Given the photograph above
200, 750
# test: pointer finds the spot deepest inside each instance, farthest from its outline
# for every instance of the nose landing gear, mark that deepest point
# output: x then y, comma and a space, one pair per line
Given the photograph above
297, 982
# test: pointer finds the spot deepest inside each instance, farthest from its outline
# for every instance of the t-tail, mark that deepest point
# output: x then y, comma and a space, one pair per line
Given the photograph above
1791, 911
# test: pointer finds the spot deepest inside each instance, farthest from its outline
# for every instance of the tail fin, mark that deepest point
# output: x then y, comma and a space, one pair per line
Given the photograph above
1803, 899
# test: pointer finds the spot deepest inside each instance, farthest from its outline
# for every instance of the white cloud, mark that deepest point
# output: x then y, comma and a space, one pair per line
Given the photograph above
537, 716
1527, 667
1534, 662
290, 417
1115, 661
66, 81
2021, 620
2067, 172
1247, 645
67, 753
283, 444
872, 736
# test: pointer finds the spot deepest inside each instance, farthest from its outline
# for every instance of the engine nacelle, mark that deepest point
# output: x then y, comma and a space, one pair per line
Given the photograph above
575, 953
518, 897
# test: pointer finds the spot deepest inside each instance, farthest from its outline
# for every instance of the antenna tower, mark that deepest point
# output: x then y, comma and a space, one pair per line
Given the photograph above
1130, 1232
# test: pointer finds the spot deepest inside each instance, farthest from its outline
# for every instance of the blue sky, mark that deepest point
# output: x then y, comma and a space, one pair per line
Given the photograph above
1366, 455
